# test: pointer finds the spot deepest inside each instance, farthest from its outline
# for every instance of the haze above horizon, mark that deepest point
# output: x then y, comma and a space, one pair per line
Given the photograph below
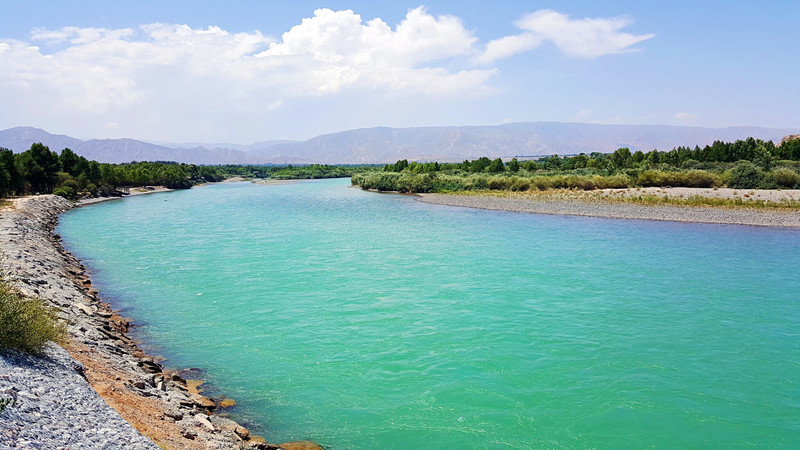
247, 71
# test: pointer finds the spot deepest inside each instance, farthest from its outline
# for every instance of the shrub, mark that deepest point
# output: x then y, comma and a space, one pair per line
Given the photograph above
27, 323
746, 175
68, 192
91, 188
480, 182
7, 402
612, 182
499, 183
650, 178
520, 184
699, 179
786, 178
542, 183
690, 178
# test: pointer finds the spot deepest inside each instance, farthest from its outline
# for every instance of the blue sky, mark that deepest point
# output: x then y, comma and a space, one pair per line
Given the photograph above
246, 71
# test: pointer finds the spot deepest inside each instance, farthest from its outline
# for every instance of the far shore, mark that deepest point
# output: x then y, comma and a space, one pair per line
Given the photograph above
622, 204
140, 190
134, 191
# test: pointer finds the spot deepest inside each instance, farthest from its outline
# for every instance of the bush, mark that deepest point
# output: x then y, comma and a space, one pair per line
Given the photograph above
27, 323
542, 183
786, 178
91, 188
612, 182
746, 175
68, 192
691, 178
499, 183
700, 179
520, 184
480, 182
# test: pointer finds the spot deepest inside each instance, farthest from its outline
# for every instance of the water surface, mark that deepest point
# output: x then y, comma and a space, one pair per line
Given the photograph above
365, 320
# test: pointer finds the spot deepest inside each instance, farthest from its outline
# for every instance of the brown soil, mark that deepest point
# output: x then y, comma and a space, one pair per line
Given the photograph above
145, 414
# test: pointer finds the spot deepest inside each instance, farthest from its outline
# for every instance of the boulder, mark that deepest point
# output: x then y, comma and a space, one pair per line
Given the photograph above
788, 138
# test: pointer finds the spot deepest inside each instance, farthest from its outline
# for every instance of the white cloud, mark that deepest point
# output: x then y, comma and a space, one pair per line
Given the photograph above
507, 46
161, 80
96, 69
584, 38
335, 50
158, 72
684, 116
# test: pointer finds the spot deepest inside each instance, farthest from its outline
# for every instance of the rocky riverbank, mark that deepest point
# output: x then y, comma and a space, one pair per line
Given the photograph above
56, 406
603, 204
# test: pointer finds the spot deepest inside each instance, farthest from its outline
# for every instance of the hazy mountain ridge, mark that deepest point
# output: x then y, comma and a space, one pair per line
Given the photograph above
383, 144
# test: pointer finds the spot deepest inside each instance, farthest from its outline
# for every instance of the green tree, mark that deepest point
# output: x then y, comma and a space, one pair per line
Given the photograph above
10, 179
496, 166
621, 158
479, 165
69, 161
39, 167
579, 161
93, 173
513, 165
552, 162
762, 157
400, 165
746, 175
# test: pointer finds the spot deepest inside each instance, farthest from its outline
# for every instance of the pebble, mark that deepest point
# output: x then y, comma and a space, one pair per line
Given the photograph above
66, 411
733, 216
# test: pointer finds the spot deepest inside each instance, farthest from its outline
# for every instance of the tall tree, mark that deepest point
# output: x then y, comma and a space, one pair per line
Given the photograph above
39, 166
69, 161
6, 167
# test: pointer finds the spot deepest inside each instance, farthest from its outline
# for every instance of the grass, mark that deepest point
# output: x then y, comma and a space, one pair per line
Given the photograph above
699, 200
641, 199
27, 323
4, 203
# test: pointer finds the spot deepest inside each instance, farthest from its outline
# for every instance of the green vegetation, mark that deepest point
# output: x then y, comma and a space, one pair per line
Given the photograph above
39, 170
315, 171
7, 402
26, 323
744, 164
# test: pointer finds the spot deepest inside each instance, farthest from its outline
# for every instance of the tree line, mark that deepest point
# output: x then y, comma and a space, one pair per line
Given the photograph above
39, 170
748, 164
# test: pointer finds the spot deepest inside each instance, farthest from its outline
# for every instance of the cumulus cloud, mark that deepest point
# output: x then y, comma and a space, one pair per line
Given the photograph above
584, 38
336, 49
167, 77
96, 69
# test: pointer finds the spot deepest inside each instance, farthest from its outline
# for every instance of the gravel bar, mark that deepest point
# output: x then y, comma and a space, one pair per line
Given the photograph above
619, 210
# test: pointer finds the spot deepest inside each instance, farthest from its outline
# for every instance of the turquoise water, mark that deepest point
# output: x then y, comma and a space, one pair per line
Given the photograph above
365, 320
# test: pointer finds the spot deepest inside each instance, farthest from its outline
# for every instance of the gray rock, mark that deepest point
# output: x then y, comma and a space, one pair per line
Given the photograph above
56, 408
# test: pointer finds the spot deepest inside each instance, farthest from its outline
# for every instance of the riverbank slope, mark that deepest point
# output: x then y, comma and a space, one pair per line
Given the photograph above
157, 404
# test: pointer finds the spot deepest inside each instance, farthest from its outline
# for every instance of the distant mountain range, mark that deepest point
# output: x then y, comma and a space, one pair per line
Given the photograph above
382, 145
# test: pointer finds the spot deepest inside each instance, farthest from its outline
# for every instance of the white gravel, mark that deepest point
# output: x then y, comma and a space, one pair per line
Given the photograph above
56, 408
576, 207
